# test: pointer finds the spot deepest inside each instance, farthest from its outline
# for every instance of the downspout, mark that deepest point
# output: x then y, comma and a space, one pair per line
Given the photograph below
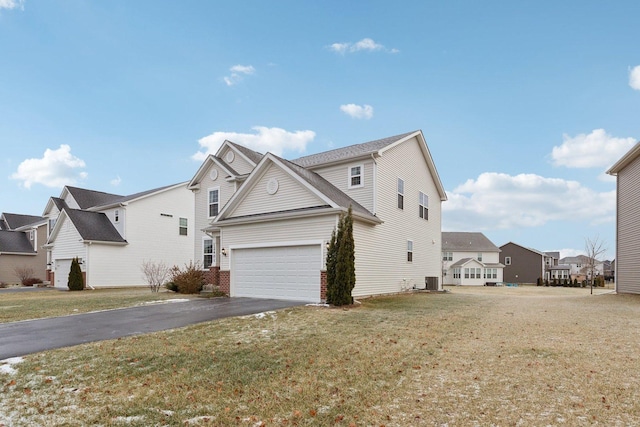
375, 186
86, 267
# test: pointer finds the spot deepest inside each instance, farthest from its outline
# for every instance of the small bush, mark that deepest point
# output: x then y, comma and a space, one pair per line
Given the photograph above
31, 281
76, 281
3, 285
171, 286
189, 280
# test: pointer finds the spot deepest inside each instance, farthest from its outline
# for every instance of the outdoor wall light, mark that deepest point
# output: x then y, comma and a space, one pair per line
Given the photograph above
328, 244
223, 251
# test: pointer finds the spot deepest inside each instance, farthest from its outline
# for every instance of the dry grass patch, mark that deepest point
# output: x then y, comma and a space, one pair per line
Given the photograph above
425, 359
39, 304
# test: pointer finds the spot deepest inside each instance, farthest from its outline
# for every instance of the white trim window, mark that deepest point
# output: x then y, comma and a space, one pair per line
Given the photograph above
490, 273
424, 206
208, 249
400, 193
447, 256
456, 273
183, 227
52, 223
507, 260
409, 250
214, 202
356, 176
32, 235
116, 216
479, 258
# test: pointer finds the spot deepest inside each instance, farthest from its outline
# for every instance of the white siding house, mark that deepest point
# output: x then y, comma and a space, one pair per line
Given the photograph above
270, 236
113, 235
470, 259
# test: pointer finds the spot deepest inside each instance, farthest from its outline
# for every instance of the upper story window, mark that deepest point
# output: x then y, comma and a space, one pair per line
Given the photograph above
447, 256
400, 193
214, 202
207, 250
410, 250
52, 223
356, 178
480, 256
183, 226
507, 260
116, 216
424, 205
32, 235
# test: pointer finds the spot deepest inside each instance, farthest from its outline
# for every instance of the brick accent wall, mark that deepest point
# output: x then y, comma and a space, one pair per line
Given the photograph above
51, 277
225, 281
323, 285
212, 276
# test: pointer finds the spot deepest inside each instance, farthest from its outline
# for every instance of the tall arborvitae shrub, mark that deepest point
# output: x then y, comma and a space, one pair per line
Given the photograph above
341, 269
76, 282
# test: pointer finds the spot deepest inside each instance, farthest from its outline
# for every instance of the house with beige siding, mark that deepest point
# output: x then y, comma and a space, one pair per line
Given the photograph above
20, 239
470, 258
267, 221
112, 235
627, 268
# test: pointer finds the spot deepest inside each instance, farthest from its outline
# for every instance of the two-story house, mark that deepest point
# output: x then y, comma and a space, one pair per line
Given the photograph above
522, 264
579, 267
470, 259
270, 219
113, 235
20, 240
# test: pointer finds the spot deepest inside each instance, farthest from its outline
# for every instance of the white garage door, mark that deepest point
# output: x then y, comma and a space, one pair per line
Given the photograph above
289, 272
61, 277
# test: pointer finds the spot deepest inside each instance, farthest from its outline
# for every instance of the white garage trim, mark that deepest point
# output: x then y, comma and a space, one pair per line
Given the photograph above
280, 271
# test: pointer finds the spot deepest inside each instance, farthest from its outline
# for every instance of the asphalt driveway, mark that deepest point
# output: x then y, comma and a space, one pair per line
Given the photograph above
32, 336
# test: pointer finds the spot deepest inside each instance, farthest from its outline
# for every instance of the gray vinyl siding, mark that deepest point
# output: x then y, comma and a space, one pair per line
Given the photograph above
628, 229
338, 175
239, 164
291, 194
381, 250
286, 231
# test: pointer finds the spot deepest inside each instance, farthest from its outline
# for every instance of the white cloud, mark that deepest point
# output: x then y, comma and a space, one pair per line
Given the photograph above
12, 4
634, 77
56, 168
597, 149
364, 44
237, 73
274, 140
357, 111
501, 201
116, 181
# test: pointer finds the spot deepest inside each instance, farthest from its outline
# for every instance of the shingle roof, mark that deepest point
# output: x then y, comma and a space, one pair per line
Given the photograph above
123, 199
349, 152
94, 226
90, 198
254, 156
15, 242
14, 221
466, 241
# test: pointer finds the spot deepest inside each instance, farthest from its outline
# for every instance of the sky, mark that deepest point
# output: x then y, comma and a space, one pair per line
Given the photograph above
524, 105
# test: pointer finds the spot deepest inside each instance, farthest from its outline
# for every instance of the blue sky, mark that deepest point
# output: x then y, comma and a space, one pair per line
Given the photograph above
524, 105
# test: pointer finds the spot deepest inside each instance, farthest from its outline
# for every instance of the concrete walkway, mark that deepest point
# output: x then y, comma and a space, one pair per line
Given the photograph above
32, 336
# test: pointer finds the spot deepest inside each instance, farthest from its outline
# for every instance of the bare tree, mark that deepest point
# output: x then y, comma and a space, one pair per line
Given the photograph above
155, 274
23, 273
594, 248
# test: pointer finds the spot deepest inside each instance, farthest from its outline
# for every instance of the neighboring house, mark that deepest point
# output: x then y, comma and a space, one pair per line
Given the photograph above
470, 259
627, 265
522, 264
579, 267
113, 235
20, 240
271, 219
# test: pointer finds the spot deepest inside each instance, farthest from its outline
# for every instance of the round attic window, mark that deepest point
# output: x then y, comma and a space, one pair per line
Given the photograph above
213, 174
230, 156
272, 186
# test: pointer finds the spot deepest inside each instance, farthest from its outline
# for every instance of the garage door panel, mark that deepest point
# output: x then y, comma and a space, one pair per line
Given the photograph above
289, 272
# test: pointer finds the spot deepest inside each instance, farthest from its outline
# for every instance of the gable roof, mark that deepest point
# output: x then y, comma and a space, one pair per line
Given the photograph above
629, 157
349, 152
202, 170
327, 192
89, 198
254, 156
537, 252
92, 226
136, 196
13, 221
467, 242
15, 242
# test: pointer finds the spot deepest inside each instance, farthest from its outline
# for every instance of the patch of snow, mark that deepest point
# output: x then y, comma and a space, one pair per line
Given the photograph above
164, 301
196, 420
6, 365
129, 419
264, 314
317, 305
